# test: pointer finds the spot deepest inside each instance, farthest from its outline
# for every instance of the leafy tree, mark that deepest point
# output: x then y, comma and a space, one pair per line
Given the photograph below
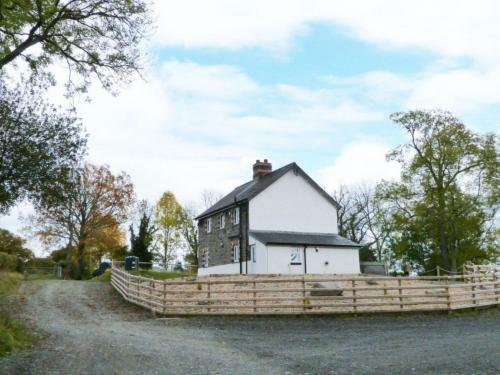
120, 252
106, 242
84, 212
444, 209
92, 37
15, 245
38, 145
169, 217
141, 244
189, 231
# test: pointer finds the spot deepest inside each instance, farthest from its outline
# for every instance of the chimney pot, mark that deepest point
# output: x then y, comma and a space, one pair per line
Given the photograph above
261, 168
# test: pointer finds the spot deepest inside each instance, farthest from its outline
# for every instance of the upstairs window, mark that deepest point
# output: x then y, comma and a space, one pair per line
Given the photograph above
252, 253
209, 225
236, 253
236, 216
222, 221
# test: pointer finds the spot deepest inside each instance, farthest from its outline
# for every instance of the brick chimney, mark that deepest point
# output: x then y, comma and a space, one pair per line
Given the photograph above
261, 168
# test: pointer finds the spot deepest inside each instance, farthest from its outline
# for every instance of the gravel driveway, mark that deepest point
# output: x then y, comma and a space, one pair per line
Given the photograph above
92, 331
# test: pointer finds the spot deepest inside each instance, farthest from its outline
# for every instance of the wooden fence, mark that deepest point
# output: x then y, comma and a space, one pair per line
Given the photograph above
306, 294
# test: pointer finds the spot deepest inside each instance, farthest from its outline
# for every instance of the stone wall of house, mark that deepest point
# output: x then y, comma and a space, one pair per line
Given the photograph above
220, 242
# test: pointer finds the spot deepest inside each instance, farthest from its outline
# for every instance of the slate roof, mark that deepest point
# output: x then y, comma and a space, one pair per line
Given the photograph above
302, 238
250, 189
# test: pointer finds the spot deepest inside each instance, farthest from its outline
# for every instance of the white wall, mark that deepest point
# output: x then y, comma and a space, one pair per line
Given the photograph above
279, 260
276, 259
292, 204
321, 260
260, 266
340, 260
230, 268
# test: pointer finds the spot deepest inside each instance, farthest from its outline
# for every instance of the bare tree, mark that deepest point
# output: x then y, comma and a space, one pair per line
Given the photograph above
363, 219
209, 198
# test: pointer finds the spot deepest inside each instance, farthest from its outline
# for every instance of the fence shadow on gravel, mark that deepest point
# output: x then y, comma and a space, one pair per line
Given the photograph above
307, 294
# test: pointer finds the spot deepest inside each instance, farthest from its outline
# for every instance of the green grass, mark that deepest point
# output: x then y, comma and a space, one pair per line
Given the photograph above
105, 277
13, 334
159, 275
9, 282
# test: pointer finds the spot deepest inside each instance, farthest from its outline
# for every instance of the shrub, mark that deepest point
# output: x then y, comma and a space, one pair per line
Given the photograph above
13, 335
8, 262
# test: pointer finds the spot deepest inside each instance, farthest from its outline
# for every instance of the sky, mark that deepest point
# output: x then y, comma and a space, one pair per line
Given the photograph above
229, 82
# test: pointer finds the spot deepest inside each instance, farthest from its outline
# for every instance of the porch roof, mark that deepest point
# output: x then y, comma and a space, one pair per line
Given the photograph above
302, 238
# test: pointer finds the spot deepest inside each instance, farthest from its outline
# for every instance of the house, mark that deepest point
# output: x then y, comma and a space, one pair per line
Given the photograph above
280, 222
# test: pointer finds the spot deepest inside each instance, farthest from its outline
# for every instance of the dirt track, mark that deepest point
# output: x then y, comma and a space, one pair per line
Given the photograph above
92, 331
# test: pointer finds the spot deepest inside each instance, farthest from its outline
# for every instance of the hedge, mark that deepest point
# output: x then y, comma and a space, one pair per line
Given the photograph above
8, 262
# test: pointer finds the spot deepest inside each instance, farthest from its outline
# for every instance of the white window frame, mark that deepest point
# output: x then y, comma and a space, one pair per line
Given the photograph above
209, 225
236, 253
222, 221
236, 216
253, 253
297, 251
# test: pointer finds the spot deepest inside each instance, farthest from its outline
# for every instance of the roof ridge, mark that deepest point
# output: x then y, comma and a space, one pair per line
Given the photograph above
250, 189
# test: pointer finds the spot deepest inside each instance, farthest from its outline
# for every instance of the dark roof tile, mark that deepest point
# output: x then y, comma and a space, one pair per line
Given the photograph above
302, 238
252, 188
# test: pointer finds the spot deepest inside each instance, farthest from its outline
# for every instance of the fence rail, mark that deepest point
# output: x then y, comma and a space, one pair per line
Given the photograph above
307, 294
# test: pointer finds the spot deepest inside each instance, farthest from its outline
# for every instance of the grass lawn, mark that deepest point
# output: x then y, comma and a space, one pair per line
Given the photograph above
160, 275
13, 334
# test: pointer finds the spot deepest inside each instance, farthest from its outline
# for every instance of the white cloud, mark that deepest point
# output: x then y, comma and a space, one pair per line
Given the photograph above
462, 91
192, 127
360, 162
448, 27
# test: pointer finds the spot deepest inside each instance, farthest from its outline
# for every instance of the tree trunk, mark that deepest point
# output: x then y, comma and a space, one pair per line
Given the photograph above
443, 244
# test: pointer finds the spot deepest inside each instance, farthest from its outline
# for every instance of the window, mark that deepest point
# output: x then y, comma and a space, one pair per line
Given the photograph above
204, 258
209, 225
295, 258
236, 216
222, 221
252, 253
236, 253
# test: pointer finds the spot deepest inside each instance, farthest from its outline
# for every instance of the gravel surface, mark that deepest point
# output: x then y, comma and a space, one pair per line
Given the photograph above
91, 330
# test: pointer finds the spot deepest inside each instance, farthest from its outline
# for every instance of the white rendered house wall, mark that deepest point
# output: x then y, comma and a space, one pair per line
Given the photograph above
332, 260
230, 268
292, 204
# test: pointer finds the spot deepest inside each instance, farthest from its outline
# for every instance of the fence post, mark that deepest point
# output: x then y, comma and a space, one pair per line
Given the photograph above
208, 295
473, 289
164, 297
353, 283
495, 284
400, 292
448, 302
128, 286
438, 273
138, 284
254, 297
304, 293
151, 305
